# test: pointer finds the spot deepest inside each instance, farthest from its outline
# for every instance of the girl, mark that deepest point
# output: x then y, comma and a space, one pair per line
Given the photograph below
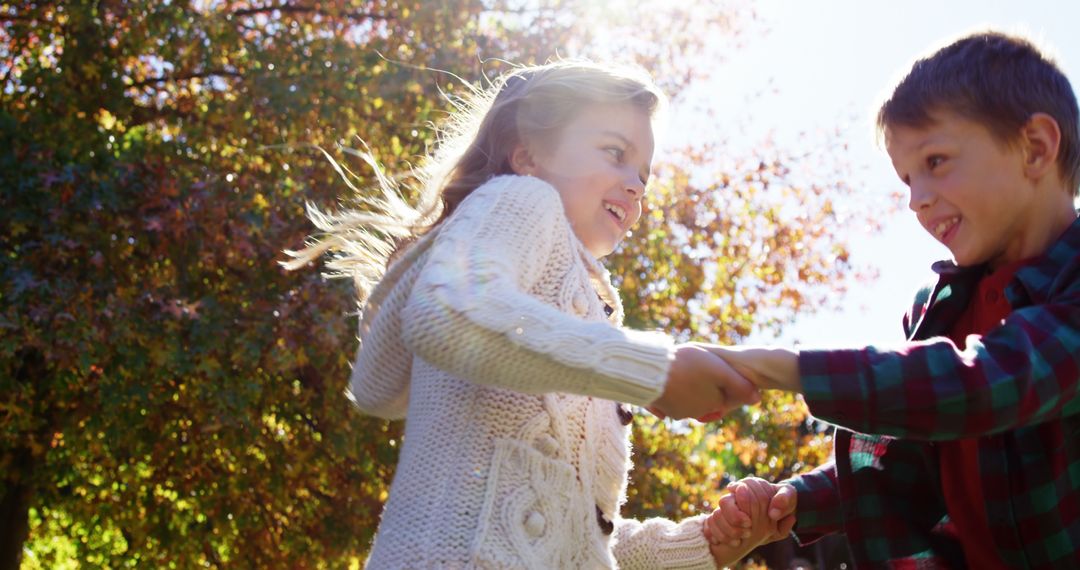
495, 334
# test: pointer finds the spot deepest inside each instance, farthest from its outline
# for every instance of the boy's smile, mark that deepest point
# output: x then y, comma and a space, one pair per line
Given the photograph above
975, 194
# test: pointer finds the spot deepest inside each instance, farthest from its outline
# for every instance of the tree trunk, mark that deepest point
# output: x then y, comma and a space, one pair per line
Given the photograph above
15, 508
17, 485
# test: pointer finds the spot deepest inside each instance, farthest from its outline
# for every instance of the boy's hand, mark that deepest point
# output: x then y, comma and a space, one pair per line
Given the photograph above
755, 512
700, 383
768, 368
782, 508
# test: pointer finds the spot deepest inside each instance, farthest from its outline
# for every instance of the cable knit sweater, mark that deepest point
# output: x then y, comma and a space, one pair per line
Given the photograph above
490, 336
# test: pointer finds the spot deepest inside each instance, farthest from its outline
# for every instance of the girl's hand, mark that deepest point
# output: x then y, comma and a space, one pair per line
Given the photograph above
745, 518
700, 383
727, 525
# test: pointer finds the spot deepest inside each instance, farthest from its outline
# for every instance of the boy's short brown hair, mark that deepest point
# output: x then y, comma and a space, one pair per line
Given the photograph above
994, 79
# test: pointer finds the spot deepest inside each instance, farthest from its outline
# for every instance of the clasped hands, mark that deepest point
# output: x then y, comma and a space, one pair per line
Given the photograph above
707, 382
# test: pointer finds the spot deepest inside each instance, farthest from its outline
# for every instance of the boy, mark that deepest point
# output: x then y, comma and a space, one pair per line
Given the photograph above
978, 461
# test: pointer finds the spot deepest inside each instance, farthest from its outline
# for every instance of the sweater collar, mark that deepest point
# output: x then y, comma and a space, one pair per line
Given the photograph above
601, 280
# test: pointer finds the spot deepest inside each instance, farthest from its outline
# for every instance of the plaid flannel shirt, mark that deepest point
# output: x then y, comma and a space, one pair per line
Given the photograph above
1015, 389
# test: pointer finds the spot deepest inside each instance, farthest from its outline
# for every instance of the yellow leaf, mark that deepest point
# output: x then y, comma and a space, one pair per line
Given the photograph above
106, 119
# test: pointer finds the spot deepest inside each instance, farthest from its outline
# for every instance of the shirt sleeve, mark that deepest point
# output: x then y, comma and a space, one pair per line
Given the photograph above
471, 315
818, 508
661, 543
1022, 373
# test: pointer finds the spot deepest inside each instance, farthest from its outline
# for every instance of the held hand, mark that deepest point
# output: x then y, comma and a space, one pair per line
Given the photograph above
745, 519
727, 525
699, 384
768, 368
777, 502
740, 523
782, 509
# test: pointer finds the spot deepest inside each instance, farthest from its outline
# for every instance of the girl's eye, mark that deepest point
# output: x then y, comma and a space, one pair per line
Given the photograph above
616, 152
934, 161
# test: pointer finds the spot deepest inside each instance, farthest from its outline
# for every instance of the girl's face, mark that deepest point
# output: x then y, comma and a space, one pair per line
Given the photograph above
599, 163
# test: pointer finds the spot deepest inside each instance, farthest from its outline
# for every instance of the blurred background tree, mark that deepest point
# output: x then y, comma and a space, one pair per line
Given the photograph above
169, 397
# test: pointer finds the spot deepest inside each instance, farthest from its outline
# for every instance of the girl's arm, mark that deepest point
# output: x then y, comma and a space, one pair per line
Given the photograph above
382, 370
661, 543
470, 314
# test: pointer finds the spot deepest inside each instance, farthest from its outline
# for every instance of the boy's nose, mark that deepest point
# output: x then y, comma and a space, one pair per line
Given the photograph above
920, 197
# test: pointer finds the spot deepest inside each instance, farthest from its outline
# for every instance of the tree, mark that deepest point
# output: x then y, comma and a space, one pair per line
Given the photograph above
169, 397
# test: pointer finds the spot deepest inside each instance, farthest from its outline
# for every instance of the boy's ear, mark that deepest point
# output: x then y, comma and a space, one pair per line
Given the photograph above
522, 160
1041, 138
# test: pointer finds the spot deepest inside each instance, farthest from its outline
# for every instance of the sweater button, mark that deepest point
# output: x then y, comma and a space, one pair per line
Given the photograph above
547, 445
535, 523
607, 527
581, 304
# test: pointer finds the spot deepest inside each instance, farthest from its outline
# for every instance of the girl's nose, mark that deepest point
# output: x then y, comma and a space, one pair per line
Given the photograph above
634, 185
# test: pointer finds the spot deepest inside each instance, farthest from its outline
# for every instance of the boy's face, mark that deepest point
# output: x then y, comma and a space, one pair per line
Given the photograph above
967, 189
599, 163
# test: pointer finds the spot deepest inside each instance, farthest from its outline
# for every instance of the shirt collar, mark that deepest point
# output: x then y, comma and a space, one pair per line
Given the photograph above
1035, 278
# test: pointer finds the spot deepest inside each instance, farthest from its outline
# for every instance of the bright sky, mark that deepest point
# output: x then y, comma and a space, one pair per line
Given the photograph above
830, 62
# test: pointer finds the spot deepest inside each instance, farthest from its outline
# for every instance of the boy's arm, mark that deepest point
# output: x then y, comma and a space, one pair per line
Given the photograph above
819, 510
1024, 372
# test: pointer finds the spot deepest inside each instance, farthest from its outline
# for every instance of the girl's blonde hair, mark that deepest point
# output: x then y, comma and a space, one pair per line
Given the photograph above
525, 106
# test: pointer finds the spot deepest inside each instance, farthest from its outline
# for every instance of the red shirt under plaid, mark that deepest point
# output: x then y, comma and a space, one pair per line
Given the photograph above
961, 481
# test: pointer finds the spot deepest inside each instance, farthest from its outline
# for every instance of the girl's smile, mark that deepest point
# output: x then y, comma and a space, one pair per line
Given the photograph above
599, 163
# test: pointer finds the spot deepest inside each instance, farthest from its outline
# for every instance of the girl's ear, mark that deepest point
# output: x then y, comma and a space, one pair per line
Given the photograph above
522, 160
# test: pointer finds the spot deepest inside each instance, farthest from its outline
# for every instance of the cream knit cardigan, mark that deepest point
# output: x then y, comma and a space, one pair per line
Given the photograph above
490, 336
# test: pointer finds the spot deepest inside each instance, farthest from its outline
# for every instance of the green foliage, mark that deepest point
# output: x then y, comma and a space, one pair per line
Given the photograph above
171, 398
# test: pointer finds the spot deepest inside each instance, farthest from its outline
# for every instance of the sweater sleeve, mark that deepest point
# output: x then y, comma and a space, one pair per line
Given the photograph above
382, 369
661, 543
470, 314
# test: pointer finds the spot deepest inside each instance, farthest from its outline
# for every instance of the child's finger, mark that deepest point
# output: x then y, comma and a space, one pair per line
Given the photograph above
711, 417
785, 525
737, 522
726, 521
749, 502
717, 532
761, 489
783, 502
736, 516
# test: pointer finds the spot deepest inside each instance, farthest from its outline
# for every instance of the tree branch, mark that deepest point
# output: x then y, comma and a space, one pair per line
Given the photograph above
141, 115
187, 77
17, 18
301, 9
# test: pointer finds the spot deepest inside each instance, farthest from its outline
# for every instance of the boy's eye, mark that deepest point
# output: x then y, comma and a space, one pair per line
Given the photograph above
934, 161
616, 152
